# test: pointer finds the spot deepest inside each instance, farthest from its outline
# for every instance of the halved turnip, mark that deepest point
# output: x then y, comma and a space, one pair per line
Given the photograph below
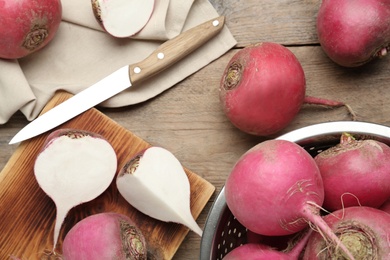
155, 183
74, 167
122, 18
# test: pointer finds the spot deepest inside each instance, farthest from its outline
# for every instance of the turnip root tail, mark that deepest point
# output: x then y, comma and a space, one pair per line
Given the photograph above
330, 103
60, 217
324, 229
190, 222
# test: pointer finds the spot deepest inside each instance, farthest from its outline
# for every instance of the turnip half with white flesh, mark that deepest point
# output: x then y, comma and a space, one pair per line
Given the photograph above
74, 167
122, 18
155, 183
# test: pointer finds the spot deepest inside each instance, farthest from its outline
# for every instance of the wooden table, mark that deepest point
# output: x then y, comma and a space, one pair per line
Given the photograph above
188, 120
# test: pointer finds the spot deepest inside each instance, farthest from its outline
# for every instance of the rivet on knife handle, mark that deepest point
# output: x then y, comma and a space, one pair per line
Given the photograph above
175, 49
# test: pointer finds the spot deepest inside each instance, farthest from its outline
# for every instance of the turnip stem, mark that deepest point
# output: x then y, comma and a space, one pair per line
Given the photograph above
322, 101
330, 103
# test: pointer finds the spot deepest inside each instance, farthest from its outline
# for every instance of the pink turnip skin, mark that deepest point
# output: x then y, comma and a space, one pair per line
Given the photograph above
267, 185
365, 231
26, 26
255, 251
261, 251
353, 32
254, 79
104, 236
355, 172
69, 132
263, 88
275, 189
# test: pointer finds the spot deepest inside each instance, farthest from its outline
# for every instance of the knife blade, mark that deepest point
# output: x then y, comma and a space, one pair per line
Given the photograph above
164, 56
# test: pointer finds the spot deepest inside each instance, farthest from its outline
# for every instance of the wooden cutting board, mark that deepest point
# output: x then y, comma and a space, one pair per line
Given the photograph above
27, 214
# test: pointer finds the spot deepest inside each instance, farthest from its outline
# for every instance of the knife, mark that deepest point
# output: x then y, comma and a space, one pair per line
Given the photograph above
164, 56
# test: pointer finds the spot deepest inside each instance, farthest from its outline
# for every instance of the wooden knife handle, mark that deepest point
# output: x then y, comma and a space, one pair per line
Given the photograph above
175, 49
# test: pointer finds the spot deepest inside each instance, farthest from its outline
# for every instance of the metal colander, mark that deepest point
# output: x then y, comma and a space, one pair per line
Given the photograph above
223, 233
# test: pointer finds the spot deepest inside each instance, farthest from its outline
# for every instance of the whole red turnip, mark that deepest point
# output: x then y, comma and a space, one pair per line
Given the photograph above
106, 235
353, 32
27, 26
355, 172
275, 188
263, 88
365, 231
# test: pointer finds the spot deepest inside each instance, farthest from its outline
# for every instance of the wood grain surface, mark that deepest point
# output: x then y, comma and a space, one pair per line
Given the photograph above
188, 120
28, 223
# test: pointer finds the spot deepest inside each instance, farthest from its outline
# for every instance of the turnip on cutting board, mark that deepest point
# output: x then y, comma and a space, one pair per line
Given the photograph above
27, 215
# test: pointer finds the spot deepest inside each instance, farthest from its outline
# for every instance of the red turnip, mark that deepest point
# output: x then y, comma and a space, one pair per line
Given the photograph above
355, 172
364, 231
263, 88
261, 251
27, 26
122, 18
275, 188
353, 32
74, 167
104, 236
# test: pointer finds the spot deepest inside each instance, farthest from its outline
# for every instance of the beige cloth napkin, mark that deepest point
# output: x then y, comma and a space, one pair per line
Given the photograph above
82, 53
